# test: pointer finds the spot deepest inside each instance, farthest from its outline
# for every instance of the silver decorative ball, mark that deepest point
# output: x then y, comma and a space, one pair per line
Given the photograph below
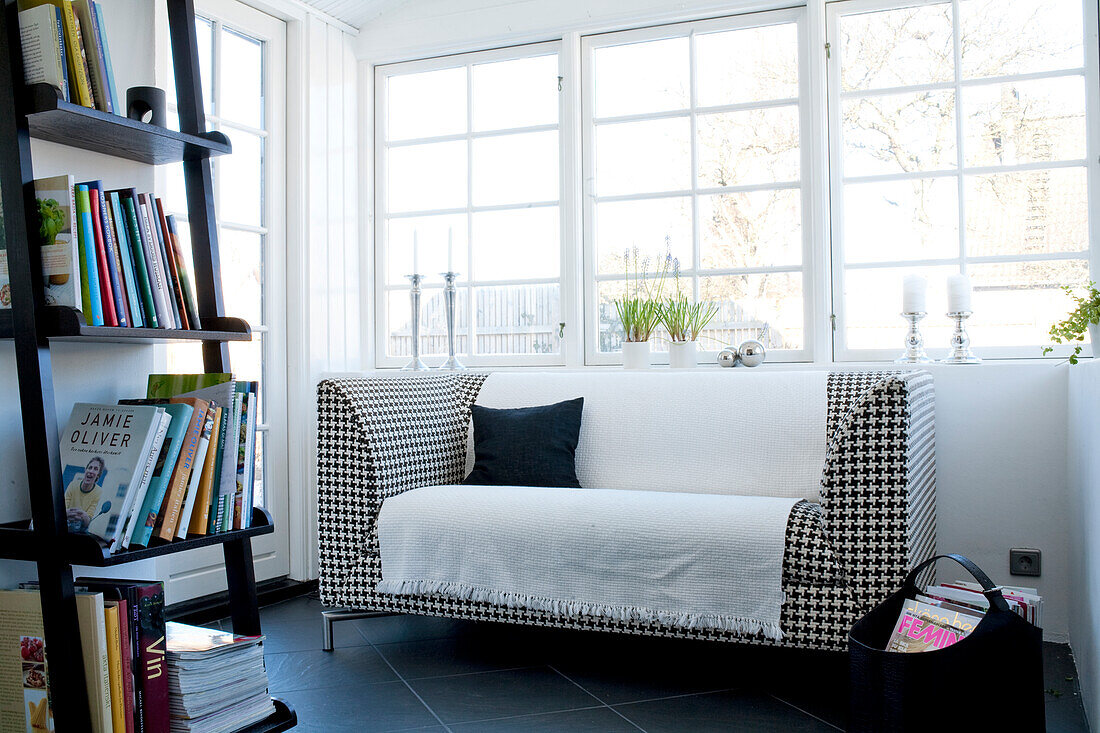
728, 357
752, 353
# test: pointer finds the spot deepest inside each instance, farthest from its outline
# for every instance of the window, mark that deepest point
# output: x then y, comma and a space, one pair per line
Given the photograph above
468, 180
695, 149
959, 144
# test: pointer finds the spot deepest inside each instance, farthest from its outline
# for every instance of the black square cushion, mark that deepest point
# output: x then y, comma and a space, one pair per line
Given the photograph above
528, 446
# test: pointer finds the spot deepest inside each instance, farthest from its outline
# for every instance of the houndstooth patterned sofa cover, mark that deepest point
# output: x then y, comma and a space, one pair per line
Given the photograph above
380, 437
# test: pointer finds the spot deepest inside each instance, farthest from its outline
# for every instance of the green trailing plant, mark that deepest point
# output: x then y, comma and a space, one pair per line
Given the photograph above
683, 318
639, 308
1073, 328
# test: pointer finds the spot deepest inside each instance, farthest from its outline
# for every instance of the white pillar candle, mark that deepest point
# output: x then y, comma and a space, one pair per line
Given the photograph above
450, 250
914, 289
416, 255
958, 294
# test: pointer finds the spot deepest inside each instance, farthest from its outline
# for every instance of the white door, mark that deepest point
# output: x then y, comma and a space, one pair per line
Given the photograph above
243, 67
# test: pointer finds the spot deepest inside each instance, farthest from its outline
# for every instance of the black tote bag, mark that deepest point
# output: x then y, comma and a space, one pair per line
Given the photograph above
991, 679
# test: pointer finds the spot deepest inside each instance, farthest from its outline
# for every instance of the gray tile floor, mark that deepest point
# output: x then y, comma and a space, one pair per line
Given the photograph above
399, 673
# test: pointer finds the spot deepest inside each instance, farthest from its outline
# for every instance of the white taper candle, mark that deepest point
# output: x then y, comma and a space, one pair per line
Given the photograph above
416, 255
450, 250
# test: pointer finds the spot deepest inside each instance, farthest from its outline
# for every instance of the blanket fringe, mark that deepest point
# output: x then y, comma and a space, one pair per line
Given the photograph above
559, 607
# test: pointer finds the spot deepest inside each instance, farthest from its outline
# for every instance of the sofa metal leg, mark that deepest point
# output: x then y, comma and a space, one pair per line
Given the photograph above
328, 618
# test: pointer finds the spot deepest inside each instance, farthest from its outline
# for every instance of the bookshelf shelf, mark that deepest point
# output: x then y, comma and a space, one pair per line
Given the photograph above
61, 323
17, 542
36, 111
53, 119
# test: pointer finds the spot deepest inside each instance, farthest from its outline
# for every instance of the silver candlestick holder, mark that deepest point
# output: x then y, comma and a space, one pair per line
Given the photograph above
960, 341
914, 342
450, 298
415, 364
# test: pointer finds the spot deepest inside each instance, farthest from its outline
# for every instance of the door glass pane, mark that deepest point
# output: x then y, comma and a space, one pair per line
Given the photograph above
427, 104
432, 234
513, 169
518, 244
642, 157
517, 93
899, 133
423, 177
1015, 302
900, 47
901, 220
239, 186
753, 229
747, 65
747, 148
1020, 37
518, 319
1028, 212
242, 274
650, 228
750, 305
641, 77
242, 79
872, 302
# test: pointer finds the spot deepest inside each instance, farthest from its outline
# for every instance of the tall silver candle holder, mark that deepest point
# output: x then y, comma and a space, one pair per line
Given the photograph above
914, 342
450, 297
415, 365
960, 341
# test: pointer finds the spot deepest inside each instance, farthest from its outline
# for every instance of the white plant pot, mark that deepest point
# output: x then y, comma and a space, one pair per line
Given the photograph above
635, 355
683, 354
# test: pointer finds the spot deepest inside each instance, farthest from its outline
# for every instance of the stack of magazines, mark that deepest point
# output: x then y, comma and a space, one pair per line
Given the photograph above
948, 612
216, 680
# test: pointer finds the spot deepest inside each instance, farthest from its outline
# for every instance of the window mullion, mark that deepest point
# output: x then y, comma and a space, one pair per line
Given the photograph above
471, 331
960, 154
693, 103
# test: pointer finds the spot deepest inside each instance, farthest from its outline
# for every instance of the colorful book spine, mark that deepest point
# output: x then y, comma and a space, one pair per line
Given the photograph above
75, 51
141, 262
114, 665
177, 492
89, 270
114, 263
186, 278
165, 276
66, 90
212, 526
127, 649
156, 265
107, 297
81, 53
198, 466
89, 36
122, 237
145, 523
105, 48
173, 268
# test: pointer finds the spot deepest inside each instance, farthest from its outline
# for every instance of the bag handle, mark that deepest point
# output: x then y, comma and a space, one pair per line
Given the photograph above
990, 591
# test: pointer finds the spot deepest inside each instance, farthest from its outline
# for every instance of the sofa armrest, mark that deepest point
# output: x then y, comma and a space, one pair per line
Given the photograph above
377, 438
878, 487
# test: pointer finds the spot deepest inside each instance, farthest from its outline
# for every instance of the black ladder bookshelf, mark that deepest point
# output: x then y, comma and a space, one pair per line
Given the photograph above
35, 111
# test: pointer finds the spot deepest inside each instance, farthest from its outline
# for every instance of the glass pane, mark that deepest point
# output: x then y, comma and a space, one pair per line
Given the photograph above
751, 305
751, 147
1015, 303
204, 31
241, 76
1021, 122
755, 229
899, 133
872, 308
432, 234
246, 358
894, 48
1020, 37
517, 93
242, 275
747, 65
258, 498
520, 319
517, 244
641, 77
901, 220
423, 177
513, 169
654, 228
175, 192
1027, 213
426, 105
241, 181
433, 323
642, 157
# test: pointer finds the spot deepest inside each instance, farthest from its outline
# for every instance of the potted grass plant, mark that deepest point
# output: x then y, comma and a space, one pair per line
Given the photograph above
1084, 318
684, 319
639, 308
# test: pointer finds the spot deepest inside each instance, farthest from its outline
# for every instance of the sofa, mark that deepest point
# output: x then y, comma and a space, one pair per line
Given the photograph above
848, 542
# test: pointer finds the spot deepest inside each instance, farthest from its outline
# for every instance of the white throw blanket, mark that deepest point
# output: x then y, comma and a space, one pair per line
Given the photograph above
688, 560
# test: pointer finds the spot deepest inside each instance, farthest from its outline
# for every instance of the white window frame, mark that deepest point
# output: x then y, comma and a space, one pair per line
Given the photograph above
812, 141
1091, 162
567, 172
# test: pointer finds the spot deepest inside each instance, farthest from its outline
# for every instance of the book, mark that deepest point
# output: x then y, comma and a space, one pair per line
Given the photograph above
114, 664
74, 49
42, 40
174, 281
188, 279
127, 651
97, 77
136, 498
248, 496
92, 301
148, 210
196, 472
166, 386
157, 277
105, 51
962, 621
24, 661
212, 522
200, 515
55, 235
228, 497
103, 452
144, 522
110, 317
145, 606
177, 490
122, 237
141, 261
114, 263
914, 633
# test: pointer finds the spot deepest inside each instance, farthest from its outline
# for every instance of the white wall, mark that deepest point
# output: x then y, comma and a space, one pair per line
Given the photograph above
82, 372
1084, 530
